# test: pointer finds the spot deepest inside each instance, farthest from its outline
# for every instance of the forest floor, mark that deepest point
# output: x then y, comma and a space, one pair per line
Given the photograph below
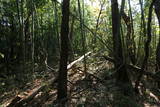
94, 88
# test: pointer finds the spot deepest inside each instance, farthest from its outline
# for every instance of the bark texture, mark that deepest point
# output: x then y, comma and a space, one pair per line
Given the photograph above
62, 78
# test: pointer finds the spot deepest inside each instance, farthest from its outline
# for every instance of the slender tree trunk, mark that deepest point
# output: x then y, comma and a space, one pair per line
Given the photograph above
133, 44
147, 46
20, 26
62, 78
32, 35
22, 33
56, 23
71, 52
18, 13
142, 31
142, 17
97, 24
83, 34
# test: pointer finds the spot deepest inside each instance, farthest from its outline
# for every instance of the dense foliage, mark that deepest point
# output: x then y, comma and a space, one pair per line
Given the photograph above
124, 32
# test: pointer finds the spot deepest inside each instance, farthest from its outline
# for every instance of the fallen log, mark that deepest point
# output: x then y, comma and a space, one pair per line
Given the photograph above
78, 60
21, 102
129, 66
69, 66
29, 98
14, 101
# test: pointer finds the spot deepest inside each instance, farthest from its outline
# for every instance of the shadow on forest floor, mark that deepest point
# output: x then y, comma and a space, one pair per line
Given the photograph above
92, 89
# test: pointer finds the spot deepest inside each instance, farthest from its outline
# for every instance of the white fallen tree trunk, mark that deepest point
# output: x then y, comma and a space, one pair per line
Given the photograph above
78, 60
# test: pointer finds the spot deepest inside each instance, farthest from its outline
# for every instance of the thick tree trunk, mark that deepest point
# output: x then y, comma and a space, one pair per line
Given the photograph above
120, 66
62, 77
157, 10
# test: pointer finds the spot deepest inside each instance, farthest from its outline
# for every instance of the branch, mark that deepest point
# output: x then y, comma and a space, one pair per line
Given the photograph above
78, 60
93, 33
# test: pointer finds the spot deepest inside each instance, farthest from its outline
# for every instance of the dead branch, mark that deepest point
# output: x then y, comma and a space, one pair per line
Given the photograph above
136, 69
78, 60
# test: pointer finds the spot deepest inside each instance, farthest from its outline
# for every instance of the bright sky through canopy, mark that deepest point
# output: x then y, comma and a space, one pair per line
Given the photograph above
96, 3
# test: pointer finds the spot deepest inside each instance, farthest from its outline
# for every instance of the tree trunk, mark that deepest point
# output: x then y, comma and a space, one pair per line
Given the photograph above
56, 23
82, 33
22, 36
62, 77
129, 39
122, 76
142, 31
147, 46
32, 49
157, 10
132, 35
71, 52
